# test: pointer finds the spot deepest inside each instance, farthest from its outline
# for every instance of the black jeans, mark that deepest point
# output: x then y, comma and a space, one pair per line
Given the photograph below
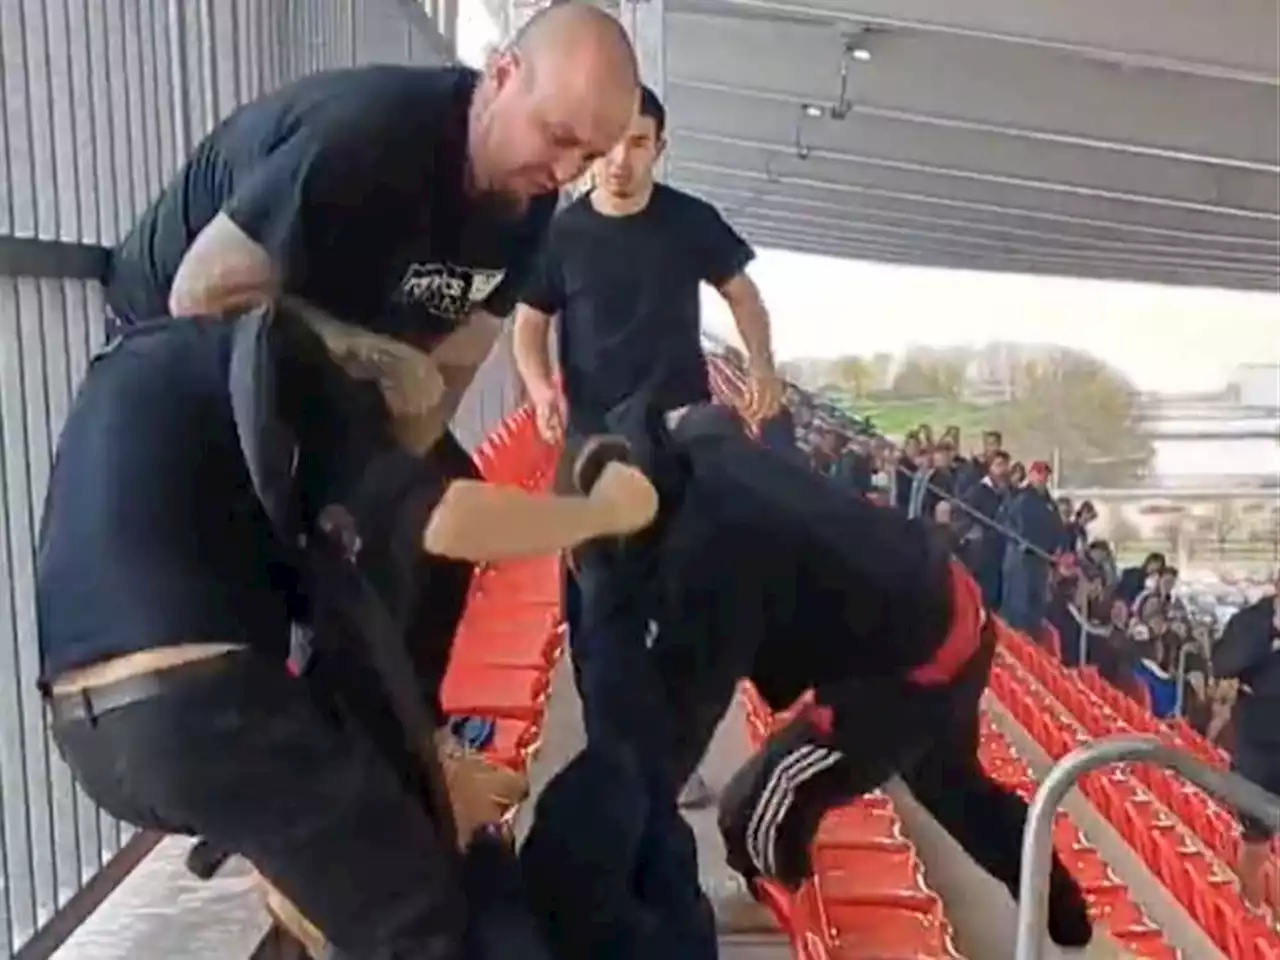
263, 765
625, 711
1259, 762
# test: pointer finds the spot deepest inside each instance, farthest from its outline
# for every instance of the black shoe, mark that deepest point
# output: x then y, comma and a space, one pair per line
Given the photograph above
205, 859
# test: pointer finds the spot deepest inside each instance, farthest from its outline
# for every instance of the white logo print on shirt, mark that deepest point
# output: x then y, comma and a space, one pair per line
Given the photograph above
447, 290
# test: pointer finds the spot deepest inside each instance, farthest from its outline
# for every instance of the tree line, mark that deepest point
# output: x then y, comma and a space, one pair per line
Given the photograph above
1043, 399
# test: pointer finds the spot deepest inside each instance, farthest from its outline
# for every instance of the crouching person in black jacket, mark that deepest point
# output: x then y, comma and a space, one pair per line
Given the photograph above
221, 489
1249, 652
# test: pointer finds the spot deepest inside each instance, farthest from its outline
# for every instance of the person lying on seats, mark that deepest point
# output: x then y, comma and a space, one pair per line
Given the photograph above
757, 568
220, 488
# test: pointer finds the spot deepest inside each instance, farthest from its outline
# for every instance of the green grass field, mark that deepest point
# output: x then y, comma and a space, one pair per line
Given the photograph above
895, 419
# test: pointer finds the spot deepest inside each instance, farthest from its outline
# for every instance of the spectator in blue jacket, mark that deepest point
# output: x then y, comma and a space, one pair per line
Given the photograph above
982, 547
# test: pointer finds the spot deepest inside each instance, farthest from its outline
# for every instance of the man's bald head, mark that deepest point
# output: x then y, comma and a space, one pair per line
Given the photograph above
573, 29
560, 95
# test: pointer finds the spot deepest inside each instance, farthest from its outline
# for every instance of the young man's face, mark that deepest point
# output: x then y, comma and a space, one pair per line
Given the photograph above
627, 169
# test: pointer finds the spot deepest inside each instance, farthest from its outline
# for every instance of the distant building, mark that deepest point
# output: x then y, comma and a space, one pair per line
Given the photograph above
1258, 385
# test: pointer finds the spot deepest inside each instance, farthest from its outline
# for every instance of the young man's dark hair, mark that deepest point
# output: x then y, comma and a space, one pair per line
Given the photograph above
1001, 456
651, 107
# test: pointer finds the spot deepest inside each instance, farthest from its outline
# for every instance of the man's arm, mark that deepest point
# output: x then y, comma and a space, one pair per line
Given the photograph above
223, 270
481, 522
312, 192
725, 256
541, 299
531, 346
752, 320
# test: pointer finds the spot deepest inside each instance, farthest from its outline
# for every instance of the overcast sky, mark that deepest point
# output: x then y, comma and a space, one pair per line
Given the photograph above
1163, 338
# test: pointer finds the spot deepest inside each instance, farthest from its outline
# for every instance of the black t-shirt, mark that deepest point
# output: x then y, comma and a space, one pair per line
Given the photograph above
353, 182
153, 533
626, 292
823, 585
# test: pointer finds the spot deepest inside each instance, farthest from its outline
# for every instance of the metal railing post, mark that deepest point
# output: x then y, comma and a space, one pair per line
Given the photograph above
1037, 840
1180, 678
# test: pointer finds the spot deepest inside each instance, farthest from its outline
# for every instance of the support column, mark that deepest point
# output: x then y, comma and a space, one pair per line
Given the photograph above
645, 22
447, 11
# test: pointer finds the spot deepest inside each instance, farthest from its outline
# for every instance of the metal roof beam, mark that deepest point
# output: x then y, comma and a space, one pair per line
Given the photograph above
994, 245
877, 141
737, 199
804, 187
780, 162
1236, 40
960, 80
950, 243
913, 257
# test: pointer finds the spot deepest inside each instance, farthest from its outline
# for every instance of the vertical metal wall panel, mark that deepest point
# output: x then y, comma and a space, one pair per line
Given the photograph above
17, 119
53, 838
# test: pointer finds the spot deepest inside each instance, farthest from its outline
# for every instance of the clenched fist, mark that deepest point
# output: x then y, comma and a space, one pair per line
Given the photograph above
627, 502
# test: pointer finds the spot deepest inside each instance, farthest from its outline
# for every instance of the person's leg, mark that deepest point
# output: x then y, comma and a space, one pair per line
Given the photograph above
986, 820
1263, 768
626, 709
1014, 592
247, 758
502, 926
853, 739
578, 860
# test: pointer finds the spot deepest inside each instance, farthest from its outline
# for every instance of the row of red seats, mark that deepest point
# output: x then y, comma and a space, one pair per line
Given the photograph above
1192, 875
869, 897
1103, 711
1109, 902
512, 633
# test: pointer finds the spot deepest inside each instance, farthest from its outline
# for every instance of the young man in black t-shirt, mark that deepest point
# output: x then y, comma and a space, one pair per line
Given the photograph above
621, 272
166, 619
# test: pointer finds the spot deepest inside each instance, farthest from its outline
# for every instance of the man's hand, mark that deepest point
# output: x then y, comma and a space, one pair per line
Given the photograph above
549, 412
481, 792
626, 500
764, 394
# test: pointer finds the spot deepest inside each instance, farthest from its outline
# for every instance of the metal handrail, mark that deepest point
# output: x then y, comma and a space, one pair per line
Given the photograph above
1180, 677
899, 470
51, 259
1037, 839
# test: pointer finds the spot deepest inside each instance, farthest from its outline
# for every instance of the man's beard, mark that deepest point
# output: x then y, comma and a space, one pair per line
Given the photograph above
499, 205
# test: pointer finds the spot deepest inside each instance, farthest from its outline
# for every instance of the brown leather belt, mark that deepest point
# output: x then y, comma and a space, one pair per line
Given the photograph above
90, 703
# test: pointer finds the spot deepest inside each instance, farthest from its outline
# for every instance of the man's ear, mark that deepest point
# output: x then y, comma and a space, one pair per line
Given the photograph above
660, 149
501, 66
